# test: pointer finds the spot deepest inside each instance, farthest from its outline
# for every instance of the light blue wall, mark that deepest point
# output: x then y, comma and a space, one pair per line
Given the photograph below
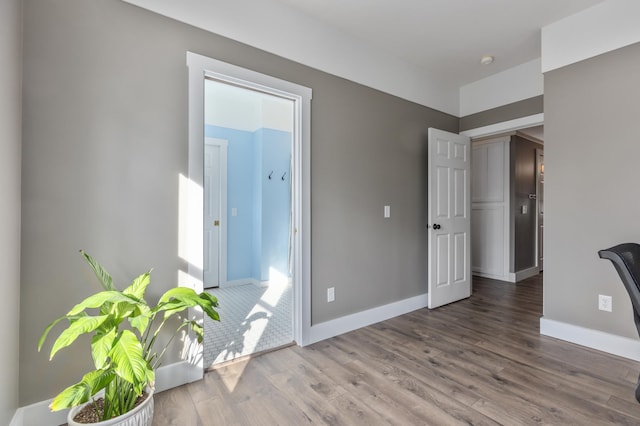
276, 200
258, 237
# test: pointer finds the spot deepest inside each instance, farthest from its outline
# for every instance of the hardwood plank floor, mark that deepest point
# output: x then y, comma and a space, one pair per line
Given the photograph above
480, 361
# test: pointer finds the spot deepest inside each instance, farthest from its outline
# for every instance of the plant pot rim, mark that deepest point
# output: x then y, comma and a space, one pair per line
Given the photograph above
74, 410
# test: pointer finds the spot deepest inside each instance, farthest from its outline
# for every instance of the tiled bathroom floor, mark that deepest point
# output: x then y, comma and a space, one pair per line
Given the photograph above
252, 319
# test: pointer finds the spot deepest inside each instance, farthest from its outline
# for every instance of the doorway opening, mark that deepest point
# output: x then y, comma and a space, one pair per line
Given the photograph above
247, 219
290, 178
508, 202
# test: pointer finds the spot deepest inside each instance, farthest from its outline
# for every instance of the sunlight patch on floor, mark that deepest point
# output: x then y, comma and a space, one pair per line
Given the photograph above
252, 319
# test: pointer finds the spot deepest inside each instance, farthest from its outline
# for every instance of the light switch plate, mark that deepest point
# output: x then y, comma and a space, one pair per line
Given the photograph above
387, 212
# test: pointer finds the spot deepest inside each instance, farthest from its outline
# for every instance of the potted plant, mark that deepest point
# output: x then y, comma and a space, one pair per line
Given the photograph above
123, 329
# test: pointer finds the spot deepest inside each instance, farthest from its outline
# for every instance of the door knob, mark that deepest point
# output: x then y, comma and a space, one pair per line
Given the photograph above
216, 223
436, 226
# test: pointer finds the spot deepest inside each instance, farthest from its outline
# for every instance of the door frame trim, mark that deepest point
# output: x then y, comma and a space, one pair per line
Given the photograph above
222, 243
505, 126
201, 67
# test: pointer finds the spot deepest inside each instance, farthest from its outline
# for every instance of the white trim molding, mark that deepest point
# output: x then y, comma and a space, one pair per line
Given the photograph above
515, 277
504, 278
244, 281
223, 144
511, 277
39, 414
167, 377
17, 419
505, 126
326, 330
595, 339
201, 67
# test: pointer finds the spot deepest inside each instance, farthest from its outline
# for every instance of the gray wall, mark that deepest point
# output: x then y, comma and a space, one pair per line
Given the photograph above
105, 138
592, 152
10, 160
523, 108
523, 183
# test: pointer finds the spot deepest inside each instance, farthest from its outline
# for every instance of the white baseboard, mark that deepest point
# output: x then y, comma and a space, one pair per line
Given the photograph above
352, 322
511, 277
17, 419
595, 339
505, 278
515, 277
167, 377
39, 414
245, 281
177, 374
235, 283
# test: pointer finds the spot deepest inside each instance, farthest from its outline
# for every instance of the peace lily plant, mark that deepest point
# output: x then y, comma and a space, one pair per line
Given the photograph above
124, 329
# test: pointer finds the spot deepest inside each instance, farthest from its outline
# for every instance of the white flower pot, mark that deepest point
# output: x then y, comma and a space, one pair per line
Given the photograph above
142, 415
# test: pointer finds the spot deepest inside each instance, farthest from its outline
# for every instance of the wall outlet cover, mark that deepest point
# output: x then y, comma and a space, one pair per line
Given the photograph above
605, 303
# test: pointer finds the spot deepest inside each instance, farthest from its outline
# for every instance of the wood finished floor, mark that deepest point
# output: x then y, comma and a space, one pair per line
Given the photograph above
480, 361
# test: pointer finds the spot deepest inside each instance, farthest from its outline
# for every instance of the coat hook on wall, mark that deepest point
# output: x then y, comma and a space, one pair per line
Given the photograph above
270, 174
285, 173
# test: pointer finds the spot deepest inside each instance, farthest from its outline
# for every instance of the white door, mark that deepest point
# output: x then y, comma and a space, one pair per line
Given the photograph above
215, 160
449, 218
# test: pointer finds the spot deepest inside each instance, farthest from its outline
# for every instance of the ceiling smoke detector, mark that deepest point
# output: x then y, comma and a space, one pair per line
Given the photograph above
486, 60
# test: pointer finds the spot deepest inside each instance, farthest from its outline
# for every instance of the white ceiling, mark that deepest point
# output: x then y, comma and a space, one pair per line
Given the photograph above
446, 38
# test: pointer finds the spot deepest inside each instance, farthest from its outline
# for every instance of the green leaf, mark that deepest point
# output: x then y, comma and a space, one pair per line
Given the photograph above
78, 327
139, 285
177, 293
141, 322
81, 392
101, 345
173, 307
103, 276
70, 397
197, 329
210, 297
128, 360
207, 303
106, 308
99, 299
179, 298
98, 379
48, 329
125, 309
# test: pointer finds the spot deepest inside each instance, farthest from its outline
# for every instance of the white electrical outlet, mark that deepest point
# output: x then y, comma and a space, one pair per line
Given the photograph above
331, 294
605, 303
